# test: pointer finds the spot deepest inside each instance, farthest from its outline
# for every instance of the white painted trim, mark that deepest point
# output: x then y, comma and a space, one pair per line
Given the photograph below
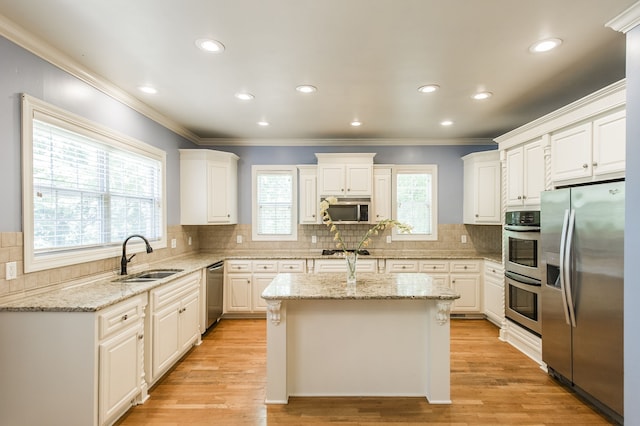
627, 20
343, 142
527, 343
284, 169
416, 168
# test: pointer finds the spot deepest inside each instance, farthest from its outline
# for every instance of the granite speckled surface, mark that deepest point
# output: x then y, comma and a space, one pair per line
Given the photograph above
368, 286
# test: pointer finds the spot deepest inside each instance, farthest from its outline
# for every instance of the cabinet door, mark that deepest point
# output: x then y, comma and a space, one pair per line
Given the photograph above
381, 194
120, 372
533, 173
331, 180
486, 197
308, 198
468, 286
260, 282
166, 343
609, 144
189, 320
571, 153
515, 176
358, 179
218, 186
239, 293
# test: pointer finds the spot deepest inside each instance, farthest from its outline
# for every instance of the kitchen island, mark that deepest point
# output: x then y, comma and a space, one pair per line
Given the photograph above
386, 336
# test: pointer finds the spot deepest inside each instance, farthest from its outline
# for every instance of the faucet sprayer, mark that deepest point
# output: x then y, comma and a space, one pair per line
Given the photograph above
124, 260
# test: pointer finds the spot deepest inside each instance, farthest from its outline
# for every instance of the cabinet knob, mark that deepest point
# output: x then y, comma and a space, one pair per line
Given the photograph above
313, 215
465, 266
585, 166
519, 197
228, 215
264, 267
434, 266
404, 266
248, 281
524, 197
290, 266
477, 215
595, 164
125, 317
140, 336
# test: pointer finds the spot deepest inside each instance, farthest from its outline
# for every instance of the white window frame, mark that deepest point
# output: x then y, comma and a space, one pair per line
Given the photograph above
290, 170
426, 168
33, 108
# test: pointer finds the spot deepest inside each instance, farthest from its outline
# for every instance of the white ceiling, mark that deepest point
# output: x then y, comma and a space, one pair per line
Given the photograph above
366, 57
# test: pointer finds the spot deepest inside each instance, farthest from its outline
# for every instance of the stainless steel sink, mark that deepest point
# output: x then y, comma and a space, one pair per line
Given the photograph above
151, 275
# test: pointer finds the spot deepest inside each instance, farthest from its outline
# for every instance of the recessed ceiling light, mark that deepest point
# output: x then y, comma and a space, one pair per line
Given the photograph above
148, 89
356, 123
481, 95
243, 96
306, 88
429, 88
209, 45
446, 123
263, 123
545, 45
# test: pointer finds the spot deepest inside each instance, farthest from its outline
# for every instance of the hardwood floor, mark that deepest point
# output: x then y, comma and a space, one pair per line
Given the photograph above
222, 382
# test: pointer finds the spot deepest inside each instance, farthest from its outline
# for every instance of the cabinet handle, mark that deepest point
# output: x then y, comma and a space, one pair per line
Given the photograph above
585, 166
125, 317
140, 336
519, 197
595, 164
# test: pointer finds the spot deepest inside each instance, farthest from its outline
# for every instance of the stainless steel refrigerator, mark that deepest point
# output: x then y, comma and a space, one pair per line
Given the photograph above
582, 232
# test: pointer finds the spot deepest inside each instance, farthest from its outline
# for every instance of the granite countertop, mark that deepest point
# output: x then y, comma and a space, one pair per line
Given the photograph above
369, 286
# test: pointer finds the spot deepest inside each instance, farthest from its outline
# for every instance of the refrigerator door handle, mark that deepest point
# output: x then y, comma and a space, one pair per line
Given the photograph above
561, 276
567, 267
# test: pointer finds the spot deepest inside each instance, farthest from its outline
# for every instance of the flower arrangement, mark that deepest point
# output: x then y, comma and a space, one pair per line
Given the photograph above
366, 239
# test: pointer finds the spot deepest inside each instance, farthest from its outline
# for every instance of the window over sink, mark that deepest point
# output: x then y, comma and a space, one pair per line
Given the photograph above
274, 212
85, 188
415, 201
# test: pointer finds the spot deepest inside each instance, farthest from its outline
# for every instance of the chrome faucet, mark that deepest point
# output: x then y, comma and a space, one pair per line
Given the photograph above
124, 260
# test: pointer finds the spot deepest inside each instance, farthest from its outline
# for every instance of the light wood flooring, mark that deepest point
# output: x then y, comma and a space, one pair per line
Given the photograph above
222, 382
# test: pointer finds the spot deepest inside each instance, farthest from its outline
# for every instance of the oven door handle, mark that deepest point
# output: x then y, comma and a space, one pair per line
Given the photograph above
522, 279
567, 267
561, 276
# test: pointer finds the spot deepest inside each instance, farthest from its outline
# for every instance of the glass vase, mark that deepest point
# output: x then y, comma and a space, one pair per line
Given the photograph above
351, 258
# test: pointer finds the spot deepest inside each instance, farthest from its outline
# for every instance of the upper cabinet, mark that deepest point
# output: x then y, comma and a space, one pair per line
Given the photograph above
481, 200
590, 151
381, 199
345, 175
309, 212
208, 187
525, 174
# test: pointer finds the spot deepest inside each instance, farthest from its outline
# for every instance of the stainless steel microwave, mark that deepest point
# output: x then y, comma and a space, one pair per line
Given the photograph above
350, 210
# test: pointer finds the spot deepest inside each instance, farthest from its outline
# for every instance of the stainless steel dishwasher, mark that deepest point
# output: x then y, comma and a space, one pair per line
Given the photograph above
215, 292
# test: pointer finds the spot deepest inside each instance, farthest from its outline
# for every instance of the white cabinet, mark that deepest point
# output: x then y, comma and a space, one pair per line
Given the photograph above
245, 280
494, 292
72, 368
208, 187
525, 174
340, 265
345, 175
309, 212
465, 280
590, 151
175, 323
381, 199
482, 204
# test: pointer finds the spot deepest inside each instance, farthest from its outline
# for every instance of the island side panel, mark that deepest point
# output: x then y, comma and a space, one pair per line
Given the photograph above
365, 348
276, 391
439, 355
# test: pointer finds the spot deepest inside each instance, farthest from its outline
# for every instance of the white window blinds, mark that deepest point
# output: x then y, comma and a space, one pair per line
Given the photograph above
415, 201
274, 209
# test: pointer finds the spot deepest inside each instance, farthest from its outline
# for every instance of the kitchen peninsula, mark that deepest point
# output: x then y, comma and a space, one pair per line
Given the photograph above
386, 336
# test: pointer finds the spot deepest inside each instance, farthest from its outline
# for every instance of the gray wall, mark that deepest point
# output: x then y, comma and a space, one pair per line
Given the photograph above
448, 159
23, 72
632, 231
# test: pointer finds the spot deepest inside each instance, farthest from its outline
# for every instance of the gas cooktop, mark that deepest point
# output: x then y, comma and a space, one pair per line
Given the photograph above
338, 253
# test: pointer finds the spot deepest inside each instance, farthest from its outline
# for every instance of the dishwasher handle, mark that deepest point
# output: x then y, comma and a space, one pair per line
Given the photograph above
216, 266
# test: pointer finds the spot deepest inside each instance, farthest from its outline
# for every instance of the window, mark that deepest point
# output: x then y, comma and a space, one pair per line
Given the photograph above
274, 203
415, 201
85, 189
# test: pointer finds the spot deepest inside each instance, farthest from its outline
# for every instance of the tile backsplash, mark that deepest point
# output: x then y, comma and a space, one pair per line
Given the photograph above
225, 237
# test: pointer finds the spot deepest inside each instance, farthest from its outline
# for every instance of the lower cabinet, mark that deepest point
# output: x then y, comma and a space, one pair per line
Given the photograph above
340, 265
245, 280
175, 323
494, 292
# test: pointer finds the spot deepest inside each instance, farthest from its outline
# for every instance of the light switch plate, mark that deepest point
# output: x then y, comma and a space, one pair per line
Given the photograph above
11, 271
173, 243
239, 239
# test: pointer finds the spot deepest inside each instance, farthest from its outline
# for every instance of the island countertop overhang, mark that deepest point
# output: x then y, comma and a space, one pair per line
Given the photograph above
370, 286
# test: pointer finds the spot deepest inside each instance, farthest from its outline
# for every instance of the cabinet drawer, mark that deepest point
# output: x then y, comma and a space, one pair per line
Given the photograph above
238, 265
265, 266
293, 266
120, 316
465, 266
394, 265
493, 269
434, 266
166, 294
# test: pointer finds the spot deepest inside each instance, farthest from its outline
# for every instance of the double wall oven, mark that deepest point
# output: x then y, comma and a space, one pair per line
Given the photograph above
523, 271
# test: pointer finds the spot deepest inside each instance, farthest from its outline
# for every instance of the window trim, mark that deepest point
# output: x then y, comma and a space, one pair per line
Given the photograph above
293, 171
416, 168
32, 108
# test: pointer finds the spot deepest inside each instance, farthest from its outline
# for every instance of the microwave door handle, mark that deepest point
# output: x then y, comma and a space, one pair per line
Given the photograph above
561, 276
567, 260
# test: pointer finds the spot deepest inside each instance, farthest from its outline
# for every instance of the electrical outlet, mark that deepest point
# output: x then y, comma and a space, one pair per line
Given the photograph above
173, 243
239, 239
388, 239
314, 239
189, 242
12, 270
463, 239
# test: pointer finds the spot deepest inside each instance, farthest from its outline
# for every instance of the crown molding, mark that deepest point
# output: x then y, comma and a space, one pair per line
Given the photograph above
342, 142
18, 35
627, 20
